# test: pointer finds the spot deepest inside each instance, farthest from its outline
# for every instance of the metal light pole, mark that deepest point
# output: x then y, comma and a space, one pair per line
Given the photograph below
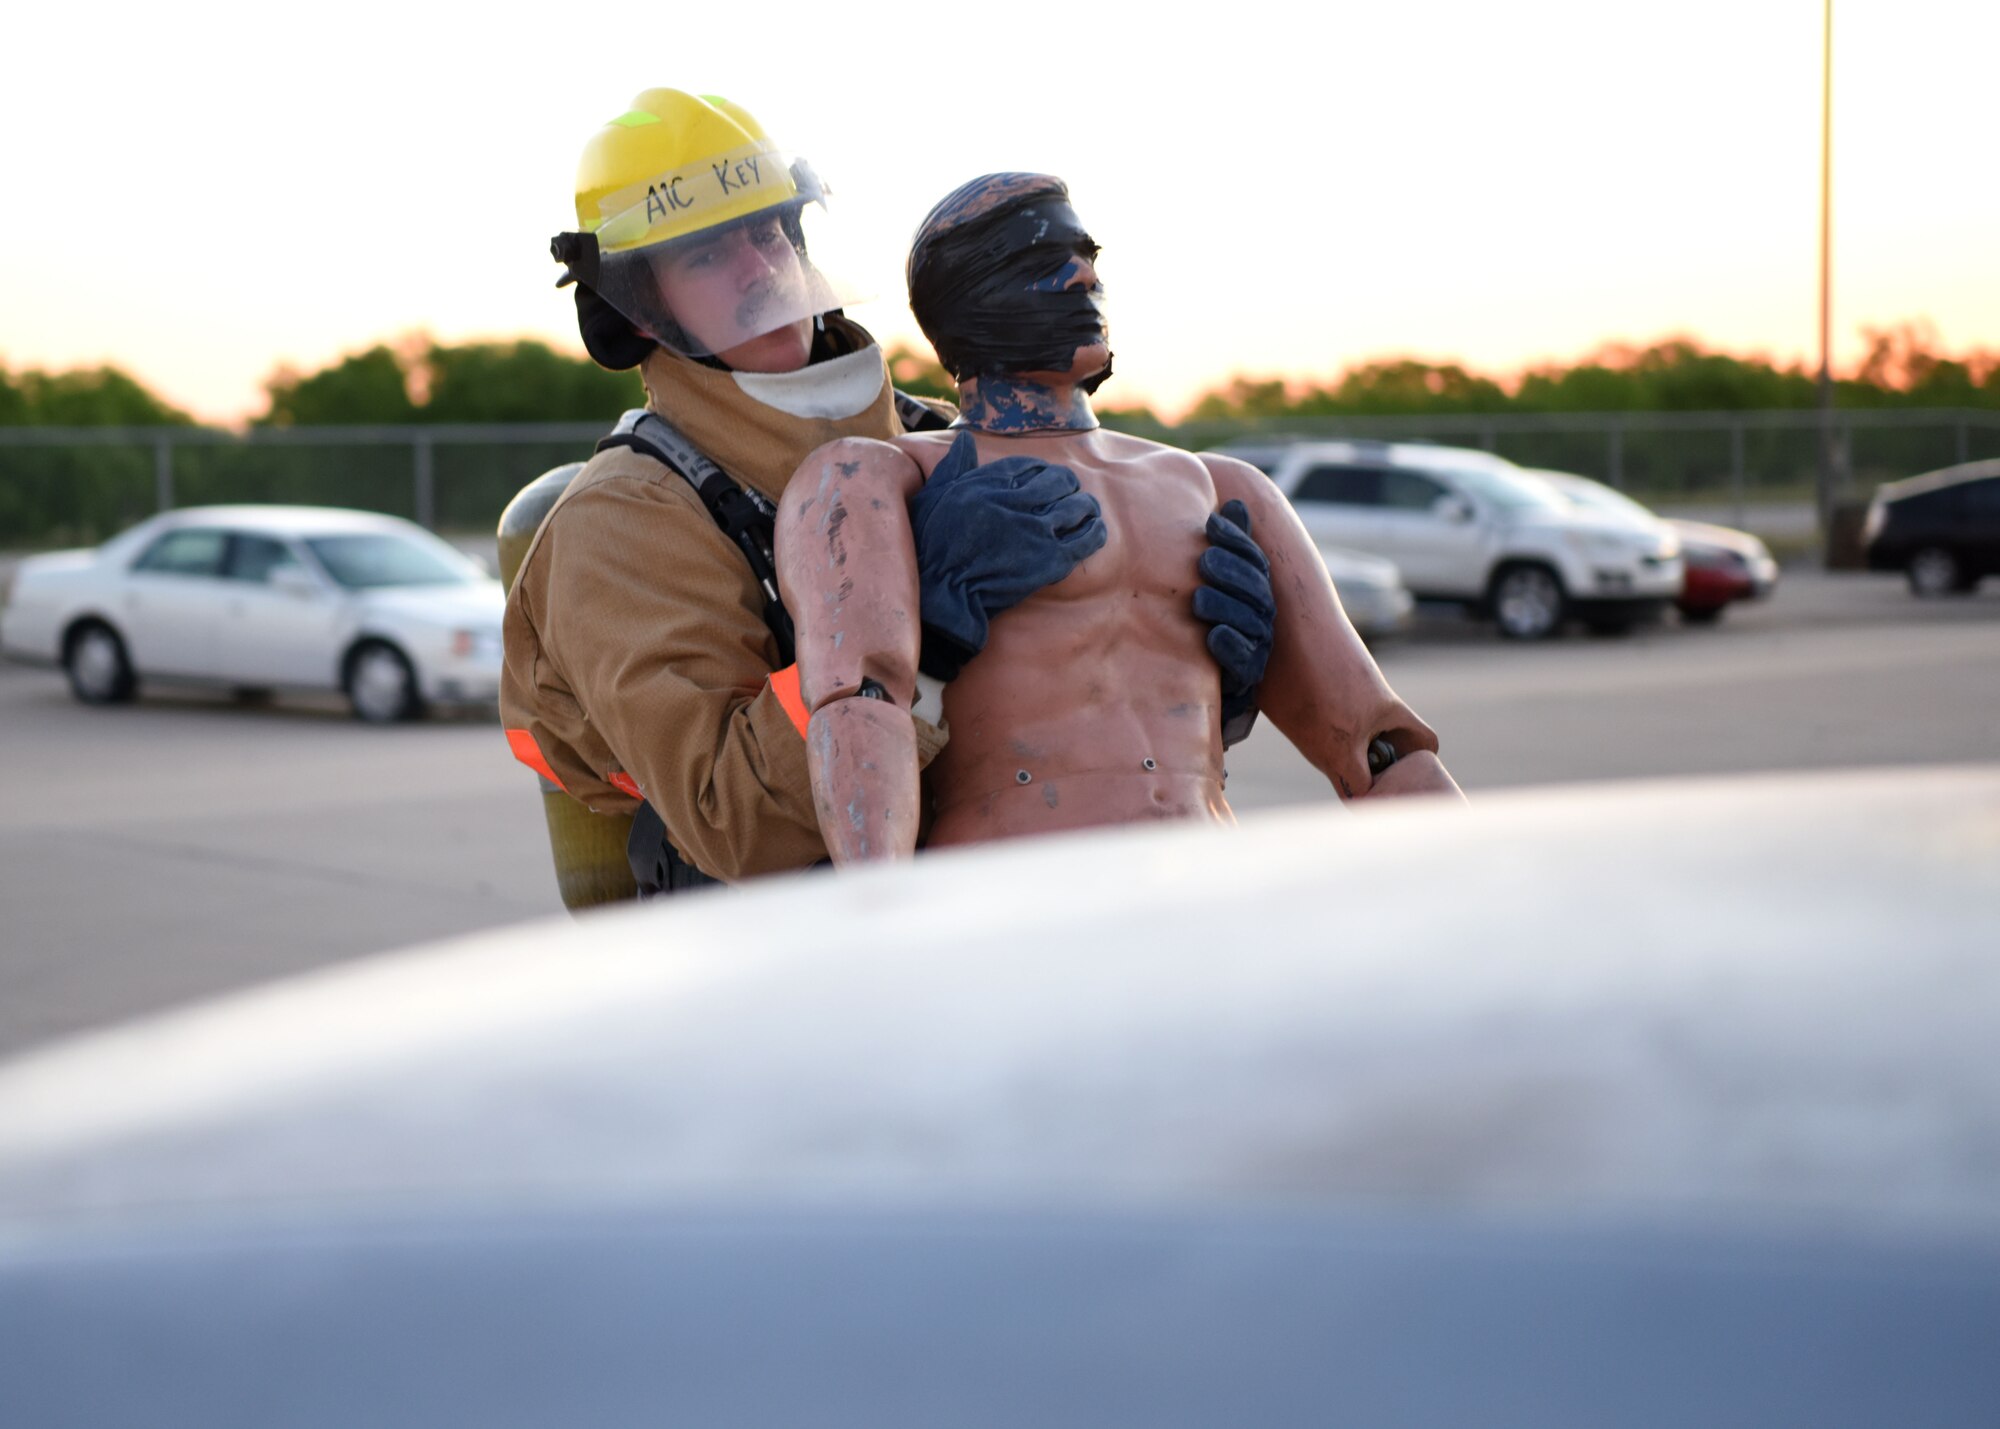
1827, 461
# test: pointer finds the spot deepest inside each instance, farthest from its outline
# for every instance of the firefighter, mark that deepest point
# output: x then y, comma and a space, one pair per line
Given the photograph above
648, 666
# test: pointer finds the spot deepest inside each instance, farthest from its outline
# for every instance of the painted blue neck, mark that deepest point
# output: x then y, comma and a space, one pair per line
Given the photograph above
1006, 404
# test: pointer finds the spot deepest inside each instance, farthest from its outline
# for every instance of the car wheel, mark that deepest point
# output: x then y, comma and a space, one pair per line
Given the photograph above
381, 685
1702, 614
100, 673
1527, 602
1933, 572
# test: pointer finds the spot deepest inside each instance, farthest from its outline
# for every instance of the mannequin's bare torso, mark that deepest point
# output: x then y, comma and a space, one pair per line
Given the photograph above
1094, 701
1082, 685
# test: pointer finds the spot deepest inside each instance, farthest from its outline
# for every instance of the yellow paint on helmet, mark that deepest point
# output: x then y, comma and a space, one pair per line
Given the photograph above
674, 164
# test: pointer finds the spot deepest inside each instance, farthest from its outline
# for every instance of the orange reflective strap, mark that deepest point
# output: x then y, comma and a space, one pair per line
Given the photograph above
529, 753
624, 783
785, 685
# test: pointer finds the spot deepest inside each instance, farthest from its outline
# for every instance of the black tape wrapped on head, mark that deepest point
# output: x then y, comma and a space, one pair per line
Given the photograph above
981, 275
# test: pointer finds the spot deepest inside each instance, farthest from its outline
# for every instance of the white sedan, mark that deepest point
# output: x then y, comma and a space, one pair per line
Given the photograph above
257, 598
1371, 591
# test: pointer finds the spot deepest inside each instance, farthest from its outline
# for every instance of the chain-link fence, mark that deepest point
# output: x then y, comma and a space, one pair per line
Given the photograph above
1711, 457
61, 485
81, 484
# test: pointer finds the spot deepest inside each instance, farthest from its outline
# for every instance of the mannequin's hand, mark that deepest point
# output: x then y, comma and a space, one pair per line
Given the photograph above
988, 537
1234, 600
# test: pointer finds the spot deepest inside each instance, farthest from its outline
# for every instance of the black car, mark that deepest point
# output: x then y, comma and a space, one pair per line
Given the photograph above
1942, 529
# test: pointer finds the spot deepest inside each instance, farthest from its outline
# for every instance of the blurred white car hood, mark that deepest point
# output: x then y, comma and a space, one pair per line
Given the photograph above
50, 562
478, 605
1317, 1008
1349, 566
1651, 538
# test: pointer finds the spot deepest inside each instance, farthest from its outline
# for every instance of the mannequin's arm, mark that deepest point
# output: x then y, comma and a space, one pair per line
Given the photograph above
847, 569
1322, 687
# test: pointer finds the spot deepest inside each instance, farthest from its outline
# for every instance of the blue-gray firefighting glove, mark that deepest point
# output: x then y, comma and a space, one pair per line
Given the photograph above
988, 537
1234, 599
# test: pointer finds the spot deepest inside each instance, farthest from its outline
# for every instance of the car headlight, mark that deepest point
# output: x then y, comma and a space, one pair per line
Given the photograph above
475, 644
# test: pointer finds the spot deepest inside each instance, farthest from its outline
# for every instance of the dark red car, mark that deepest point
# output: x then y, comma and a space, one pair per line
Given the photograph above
1723, 565
1720, 564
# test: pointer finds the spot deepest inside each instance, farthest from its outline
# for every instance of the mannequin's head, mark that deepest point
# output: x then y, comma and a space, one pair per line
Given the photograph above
1003, 281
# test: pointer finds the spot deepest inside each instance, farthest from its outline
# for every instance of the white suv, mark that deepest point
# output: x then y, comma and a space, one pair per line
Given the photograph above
1472, 527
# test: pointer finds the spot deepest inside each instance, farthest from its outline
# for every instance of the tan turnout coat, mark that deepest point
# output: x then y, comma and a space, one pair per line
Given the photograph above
637, 657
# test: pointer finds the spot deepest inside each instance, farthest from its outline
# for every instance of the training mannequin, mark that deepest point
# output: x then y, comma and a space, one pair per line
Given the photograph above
1095, 701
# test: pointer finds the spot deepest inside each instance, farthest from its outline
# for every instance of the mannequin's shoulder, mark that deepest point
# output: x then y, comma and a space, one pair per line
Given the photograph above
1154, 461
1236, 479
926, 449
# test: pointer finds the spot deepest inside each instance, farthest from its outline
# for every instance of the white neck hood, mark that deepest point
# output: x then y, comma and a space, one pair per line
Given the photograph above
839, 387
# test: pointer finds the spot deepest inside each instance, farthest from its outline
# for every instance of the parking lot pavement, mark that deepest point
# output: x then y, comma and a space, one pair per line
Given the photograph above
185, 845
1837, 670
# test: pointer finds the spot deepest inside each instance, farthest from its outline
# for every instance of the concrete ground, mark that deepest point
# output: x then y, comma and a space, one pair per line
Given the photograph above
184, 846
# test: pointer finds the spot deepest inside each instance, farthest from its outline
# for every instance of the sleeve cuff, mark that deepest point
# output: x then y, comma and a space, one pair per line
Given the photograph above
943, 655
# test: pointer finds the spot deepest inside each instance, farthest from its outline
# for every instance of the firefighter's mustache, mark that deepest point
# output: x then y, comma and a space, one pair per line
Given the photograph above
772, 292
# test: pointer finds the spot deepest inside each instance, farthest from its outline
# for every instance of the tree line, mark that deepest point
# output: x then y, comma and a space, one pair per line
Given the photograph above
81, 492
1903, 367
415, 380
421, 380
87, 397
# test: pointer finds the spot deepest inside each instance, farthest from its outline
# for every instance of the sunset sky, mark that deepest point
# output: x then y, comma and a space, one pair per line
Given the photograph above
200, 193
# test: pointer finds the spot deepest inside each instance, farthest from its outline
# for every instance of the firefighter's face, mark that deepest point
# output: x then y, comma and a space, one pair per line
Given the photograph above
724, 291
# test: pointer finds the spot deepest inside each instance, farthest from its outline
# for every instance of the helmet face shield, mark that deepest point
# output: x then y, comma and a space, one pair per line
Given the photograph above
719, 252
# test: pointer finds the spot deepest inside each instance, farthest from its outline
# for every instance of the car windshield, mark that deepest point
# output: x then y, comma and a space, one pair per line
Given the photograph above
365, 562
1509, 490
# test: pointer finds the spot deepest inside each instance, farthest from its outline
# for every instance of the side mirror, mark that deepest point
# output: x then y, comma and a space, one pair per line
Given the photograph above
294, 580
1452, 507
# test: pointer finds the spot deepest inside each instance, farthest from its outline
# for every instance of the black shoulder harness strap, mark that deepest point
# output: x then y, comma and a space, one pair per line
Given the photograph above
746, 517
750, 520
917, 417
